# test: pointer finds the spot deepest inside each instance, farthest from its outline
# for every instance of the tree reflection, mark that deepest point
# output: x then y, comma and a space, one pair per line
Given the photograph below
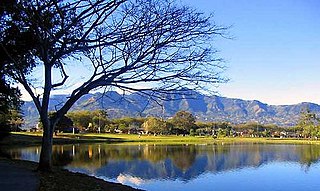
170, 161
308, 154
62, 155
183, 157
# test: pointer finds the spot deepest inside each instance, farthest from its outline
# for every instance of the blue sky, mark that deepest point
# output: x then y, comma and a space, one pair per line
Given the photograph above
275, 54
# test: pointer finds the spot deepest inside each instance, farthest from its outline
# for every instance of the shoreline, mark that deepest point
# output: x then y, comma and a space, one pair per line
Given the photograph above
35, 139
56, 180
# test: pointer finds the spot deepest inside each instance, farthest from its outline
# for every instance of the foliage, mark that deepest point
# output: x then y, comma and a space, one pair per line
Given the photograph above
183, 120
310, 124
10, 102
15, 120
10, 116
89, 120
155, 125
191, 132
81, 119
125, 124
100, 120
11, 120
64, 122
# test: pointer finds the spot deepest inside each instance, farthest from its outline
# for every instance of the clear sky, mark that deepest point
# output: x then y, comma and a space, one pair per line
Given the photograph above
275, 54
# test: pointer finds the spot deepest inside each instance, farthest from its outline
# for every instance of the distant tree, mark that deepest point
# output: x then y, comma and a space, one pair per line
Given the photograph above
222, 132
15, 120
100, 120
310, 124
81, 119
203, 125
184, 121
111, 127
127, 44
129, 122
100, 113
10, 116
192, 132
206, 128
123, 127
155, 125
63, 123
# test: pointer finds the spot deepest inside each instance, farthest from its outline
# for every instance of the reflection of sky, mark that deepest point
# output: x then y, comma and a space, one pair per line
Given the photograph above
274, 176
127, 179
28, 154
30, 157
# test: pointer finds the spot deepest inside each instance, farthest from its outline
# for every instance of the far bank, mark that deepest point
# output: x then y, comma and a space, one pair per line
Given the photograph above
33, 139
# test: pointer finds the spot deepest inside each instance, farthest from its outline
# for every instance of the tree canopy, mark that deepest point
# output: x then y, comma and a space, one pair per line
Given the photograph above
310, 124
183, 120
155, 125
10, 104
63, 123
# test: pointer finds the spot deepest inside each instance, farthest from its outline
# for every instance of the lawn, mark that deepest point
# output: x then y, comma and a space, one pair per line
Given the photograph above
35, 139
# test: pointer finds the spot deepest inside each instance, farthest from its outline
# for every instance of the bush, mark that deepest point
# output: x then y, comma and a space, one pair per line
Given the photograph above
192, 132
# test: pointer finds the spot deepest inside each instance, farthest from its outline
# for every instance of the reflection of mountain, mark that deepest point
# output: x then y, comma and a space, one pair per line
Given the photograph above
183, 162
213, 159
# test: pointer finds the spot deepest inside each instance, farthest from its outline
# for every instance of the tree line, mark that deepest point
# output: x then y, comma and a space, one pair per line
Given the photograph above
185, 123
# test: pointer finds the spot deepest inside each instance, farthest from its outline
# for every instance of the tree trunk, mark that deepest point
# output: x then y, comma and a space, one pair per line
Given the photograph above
45, 161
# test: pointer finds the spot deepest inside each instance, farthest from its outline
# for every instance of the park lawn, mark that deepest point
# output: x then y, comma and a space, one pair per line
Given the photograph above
29, 139
32, 139
127, 138
24, 138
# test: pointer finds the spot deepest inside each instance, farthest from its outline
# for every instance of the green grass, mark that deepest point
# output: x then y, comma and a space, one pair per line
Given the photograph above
173, 139
30, 139
150, 138
35, 139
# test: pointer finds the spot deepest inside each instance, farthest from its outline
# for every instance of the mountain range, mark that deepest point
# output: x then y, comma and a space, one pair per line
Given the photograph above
205, 108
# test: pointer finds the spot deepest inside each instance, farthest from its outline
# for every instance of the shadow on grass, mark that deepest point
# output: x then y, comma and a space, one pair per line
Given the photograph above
80, 138
36, 139
21, 140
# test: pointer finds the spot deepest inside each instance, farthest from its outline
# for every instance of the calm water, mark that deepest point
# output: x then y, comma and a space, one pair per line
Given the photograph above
192, 167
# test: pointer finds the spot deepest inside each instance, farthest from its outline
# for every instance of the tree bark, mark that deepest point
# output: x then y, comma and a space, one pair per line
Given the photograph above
45, 161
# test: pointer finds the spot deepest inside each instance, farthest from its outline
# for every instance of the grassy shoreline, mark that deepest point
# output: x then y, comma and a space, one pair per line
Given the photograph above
34, 139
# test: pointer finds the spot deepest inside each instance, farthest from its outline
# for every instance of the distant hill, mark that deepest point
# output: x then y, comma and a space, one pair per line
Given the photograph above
206, 108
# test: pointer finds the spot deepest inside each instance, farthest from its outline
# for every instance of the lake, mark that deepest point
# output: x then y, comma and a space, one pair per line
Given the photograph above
240, 167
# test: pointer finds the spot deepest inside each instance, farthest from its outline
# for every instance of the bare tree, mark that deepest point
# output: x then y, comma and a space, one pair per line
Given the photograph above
146, 46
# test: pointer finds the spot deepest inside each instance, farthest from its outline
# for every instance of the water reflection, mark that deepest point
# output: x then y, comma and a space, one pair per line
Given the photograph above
143, 163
